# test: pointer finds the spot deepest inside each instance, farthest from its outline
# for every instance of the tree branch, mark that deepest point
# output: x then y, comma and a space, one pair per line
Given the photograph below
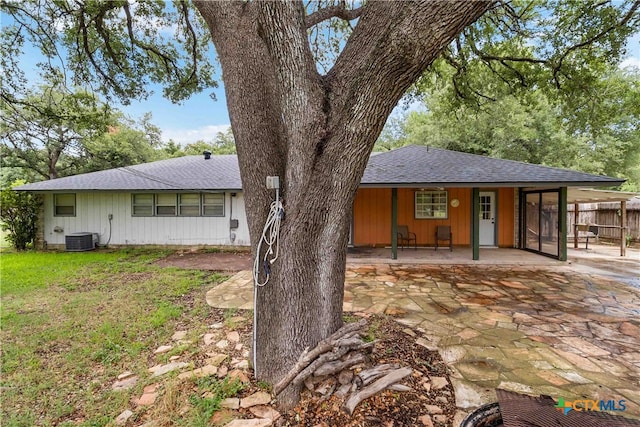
393, 43
557, 68
127, 12
83, 41
487, 57
99, 20
339, 11
40, 32
194, 39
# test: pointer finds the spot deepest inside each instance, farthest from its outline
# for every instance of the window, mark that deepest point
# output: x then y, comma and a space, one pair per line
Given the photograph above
189, 204
64, 204
485, 207
213, 204
142, 205
180, 204
165, 204
431, 204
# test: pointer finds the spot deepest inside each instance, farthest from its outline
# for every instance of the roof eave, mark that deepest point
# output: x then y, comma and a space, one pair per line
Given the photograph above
126, 190
537, 184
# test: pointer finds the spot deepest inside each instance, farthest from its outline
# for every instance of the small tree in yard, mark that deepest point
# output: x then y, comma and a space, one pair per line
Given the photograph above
19, 216
309, 117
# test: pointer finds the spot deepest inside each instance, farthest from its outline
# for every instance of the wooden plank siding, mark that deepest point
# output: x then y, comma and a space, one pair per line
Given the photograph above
506, 217
372, 217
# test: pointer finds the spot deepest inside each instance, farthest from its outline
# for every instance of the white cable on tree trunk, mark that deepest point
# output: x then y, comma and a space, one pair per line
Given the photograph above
270, 238
270, 234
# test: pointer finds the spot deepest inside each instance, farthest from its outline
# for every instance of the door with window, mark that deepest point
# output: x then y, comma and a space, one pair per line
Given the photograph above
487, 218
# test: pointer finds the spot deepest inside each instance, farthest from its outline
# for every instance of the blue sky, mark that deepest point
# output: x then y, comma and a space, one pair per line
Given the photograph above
201, 117
198, 118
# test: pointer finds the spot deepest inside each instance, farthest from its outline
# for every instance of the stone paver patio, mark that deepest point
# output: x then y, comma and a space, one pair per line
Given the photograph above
531, 329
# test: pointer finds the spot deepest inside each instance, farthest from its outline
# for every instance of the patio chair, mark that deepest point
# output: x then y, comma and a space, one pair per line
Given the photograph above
406, 237
443, 233
591, 231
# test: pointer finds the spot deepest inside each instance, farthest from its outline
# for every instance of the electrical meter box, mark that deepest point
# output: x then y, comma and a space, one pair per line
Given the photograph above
273, 182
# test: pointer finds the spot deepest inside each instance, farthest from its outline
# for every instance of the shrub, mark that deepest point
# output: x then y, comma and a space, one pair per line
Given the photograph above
19, 216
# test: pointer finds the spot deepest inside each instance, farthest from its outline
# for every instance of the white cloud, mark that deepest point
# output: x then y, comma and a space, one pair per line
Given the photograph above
631, 62
187, 136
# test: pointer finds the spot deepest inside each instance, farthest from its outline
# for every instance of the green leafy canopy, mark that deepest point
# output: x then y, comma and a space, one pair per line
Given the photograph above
19, 216
115, 47
535, 81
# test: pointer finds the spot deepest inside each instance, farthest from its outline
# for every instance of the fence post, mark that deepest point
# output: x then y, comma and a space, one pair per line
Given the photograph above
623, 228
576, 209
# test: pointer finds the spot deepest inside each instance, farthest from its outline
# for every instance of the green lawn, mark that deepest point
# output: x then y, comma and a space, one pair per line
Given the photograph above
72, 322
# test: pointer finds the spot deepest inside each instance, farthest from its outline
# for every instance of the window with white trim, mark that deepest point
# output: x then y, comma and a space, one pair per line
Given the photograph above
213, 204
431, 204
142, 204
64, 204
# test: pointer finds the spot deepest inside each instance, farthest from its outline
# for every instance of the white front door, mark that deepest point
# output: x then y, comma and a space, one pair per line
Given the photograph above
487, 218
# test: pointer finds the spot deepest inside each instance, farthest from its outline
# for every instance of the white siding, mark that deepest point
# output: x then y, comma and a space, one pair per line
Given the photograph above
92, 210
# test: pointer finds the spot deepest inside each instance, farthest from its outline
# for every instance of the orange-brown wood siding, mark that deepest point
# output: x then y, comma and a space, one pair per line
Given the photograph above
506, 220
372, 217
458, 218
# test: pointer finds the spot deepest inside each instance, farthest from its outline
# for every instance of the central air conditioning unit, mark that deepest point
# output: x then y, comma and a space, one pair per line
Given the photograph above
77, 242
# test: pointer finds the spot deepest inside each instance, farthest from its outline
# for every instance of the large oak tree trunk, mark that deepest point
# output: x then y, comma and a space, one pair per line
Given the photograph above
316, 133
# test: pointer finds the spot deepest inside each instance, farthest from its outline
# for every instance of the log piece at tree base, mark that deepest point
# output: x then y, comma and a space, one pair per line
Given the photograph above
337, 363
367, 376
384, 382
324, 346
406, 403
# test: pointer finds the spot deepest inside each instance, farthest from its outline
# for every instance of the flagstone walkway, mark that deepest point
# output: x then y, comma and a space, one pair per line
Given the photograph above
530, 329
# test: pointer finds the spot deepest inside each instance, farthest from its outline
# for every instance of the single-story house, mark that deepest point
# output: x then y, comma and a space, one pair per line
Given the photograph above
196, 201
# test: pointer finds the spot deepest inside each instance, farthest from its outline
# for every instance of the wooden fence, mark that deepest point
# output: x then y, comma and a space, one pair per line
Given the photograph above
607, 214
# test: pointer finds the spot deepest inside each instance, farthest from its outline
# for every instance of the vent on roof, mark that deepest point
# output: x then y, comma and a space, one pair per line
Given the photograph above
207, 155
76, 242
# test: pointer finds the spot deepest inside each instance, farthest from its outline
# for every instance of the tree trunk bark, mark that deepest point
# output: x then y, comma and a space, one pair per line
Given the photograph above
54, 156
315, 133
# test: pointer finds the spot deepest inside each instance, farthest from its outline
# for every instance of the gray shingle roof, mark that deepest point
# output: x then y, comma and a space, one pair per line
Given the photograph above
407, 166
181, 173
421, 165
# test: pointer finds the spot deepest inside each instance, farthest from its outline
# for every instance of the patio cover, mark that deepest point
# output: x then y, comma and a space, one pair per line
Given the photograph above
590, 195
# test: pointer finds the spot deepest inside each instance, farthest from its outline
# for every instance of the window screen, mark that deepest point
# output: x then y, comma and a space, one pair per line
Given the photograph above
213, 204
189, 204
182, 204
142, 205
165, 204
64, 204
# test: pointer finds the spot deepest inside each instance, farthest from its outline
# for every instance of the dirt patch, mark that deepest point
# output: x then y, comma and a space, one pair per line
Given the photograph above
211, 261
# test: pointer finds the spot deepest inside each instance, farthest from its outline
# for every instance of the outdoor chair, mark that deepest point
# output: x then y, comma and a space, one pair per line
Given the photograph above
591, 231
406, 237
443, 233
